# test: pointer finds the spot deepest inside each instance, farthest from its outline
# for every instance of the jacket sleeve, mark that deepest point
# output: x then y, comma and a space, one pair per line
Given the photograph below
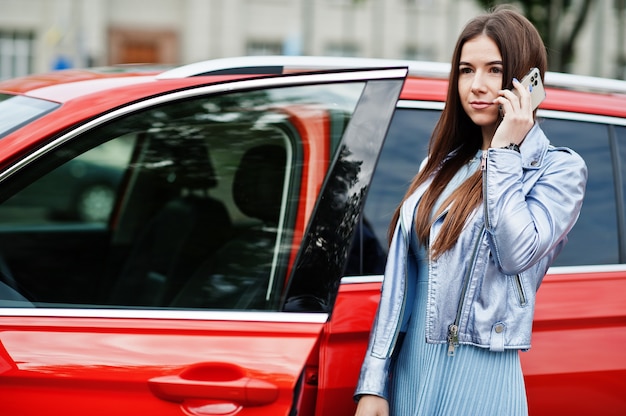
375, 370
527, 225
374, 378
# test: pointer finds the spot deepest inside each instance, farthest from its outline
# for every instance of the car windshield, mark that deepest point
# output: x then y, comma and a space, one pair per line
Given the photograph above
17, 110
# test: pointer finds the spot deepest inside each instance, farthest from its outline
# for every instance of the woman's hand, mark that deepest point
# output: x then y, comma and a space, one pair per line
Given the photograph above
370, 405
518, 117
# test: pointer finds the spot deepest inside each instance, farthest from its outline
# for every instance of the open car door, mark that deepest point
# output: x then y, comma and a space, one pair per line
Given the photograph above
216, 265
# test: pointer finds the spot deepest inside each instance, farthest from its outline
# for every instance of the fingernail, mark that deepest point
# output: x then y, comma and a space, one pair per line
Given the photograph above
531, 87
515, 80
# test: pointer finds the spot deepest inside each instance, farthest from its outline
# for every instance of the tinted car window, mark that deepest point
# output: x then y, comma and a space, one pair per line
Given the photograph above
406, 146
594, 238
81, 190
211, 199
17, 110
404, 149
620, 136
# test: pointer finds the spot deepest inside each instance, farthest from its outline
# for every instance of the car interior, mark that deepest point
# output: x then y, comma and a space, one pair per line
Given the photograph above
183, 233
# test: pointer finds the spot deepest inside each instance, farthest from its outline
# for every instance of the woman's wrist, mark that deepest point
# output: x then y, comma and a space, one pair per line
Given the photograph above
511, 146
499, 143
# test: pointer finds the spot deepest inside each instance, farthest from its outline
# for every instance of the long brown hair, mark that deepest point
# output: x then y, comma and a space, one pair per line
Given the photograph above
456, 139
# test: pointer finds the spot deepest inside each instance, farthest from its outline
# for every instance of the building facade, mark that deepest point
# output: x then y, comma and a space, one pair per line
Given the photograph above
40, 35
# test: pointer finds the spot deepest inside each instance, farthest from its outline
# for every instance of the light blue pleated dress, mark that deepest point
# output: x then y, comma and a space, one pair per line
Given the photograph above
474, 382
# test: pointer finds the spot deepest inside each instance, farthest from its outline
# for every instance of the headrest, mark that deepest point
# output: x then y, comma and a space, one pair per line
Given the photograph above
181, 161
258, 182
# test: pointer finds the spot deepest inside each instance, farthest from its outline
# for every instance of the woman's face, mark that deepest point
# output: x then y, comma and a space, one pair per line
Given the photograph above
480, 79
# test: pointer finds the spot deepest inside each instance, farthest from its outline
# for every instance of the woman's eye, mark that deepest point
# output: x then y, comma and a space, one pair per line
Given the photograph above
465, 70
496, 70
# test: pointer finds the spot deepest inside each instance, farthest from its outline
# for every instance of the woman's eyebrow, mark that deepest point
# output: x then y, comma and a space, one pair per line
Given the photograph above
488, 63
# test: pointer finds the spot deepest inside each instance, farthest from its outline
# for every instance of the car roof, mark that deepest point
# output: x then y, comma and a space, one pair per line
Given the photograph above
287, 64
66, 85
428, 81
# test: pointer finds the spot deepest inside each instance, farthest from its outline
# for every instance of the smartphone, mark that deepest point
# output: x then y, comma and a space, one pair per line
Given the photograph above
537, 93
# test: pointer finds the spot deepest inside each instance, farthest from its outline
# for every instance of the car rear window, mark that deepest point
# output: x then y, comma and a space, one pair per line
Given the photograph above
601, 219
18, 110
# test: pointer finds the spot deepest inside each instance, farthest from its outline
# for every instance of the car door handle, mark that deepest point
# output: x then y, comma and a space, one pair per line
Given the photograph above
214, 381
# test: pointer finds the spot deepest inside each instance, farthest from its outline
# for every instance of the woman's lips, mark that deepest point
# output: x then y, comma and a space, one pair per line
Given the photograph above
480, 105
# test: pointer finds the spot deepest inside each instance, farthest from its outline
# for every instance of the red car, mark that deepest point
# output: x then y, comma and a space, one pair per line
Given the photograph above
235, 262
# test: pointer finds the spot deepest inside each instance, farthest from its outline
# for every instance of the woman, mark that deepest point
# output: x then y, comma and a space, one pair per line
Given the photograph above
481, 223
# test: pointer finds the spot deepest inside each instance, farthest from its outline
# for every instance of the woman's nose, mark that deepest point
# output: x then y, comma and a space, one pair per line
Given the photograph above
478, 83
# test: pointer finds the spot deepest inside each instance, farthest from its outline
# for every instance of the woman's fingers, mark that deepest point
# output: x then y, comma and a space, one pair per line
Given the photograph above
517, 114
517, 99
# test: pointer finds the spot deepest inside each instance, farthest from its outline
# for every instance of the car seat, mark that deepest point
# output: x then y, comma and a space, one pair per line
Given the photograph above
238, 274
183, 233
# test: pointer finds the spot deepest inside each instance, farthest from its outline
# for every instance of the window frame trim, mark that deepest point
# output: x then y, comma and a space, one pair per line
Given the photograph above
164, 314
552, 271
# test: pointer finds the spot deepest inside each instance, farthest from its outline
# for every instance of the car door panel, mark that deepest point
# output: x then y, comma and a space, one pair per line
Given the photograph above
578, 312
344, 342
185, 359
138, 365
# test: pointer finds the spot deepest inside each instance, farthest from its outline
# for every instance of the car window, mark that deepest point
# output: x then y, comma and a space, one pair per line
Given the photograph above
18, 110
81, 190
598, 218
411, 129
620, 136
406, 145
211, 199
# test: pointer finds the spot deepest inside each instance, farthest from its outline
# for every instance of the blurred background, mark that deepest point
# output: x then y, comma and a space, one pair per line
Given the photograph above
583, 36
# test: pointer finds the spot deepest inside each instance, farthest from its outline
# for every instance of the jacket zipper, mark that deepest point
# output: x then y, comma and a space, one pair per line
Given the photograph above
453, 328
520, 289
483, 167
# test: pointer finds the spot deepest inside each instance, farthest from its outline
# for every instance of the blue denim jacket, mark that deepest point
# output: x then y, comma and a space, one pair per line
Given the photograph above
482, 291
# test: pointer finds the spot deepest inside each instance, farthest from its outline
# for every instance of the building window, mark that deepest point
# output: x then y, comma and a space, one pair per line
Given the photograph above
16, 54
419, 53
129, 46
256, 48
342, 49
